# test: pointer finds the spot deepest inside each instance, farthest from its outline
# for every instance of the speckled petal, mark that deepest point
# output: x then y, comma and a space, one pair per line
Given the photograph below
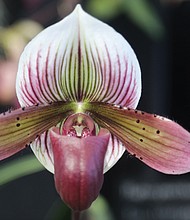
159, 142
20, 127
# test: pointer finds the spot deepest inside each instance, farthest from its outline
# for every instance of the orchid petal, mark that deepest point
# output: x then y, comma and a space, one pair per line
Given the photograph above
42, 148
159, 142
114, 152
79, 59
78, 166
20, 127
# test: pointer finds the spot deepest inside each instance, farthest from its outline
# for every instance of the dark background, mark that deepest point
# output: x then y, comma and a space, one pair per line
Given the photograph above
134, 191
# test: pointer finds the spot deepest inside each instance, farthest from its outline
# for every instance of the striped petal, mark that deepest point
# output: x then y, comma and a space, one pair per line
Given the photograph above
42, 148
114, 152
20, 127
159, 142
79, 59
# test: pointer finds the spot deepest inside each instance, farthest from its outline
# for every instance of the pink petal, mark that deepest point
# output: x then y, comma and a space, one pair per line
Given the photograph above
20, 127
78, 164
159, 142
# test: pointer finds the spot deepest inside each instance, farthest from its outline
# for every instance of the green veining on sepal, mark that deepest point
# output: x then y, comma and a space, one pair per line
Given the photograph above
159, 142
22, 126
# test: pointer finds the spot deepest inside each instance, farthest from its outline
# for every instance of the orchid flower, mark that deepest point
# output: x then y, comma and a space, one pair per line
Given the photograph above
78, 84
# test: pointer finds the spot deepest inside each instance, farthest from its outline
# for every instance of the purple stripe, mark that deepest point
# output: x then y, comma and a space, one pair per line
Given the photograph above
48, 86
39, 74
46, 144
114, 94
30, 74
129, 84
103, 83
98, 85
108, 76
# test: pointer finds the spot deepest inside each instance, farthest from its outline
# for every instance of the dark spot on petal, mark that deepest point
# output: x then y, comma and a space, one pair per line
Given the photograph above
136, 111
141, 158
134, 155
158, 132
143, 128
37, 104
17, 118
141, 140
18, 124
137, 120
155, 115
142, 113
4, 113
27, 145
128, 109
23, 108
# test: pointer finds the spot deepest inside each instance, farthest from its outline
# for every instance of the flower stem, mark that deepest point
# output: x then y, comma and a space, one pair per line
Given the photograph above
75, 215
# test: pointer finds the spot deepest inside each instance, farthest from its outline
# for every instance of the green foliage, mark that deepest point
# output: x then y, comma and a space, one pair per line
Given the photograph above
18, 168
99, 210
104, 9
145, 16
141, 12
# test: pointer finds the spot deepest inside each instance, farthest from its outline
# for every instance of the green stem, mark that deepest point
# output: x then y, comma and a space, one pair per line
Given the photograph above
75, 215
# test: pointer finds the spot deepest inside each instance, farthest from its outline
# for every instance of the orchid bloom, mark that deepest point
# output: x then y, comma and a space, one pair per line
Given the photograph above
78, 85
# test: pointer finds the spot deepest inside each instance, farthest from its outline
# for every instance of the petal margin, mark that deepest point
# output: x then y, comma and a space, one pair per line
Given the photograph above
79, 59
114, 152
157, 141
20, 127
42, 148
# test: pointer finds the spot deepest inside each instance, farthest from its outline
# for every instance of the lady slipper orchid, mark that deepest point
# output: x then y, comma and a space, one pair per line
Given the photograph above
79, 83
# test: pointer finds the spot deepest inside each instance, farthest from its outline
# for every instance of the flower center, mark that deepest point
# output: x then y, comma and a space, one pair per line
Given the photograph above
79, 125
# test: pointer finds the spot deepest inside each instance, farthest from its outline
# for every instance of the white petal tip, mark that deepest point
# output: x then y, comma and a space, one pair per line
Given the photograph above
78, 9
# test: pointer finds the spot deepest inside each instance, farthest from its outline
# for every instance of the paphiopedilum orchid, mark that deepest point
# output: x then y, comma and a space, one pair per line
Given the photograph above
78, 85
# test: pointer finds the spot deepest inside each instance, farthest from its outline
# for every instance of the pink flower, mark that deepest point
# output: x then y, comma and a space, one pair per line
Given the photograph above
79, 83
